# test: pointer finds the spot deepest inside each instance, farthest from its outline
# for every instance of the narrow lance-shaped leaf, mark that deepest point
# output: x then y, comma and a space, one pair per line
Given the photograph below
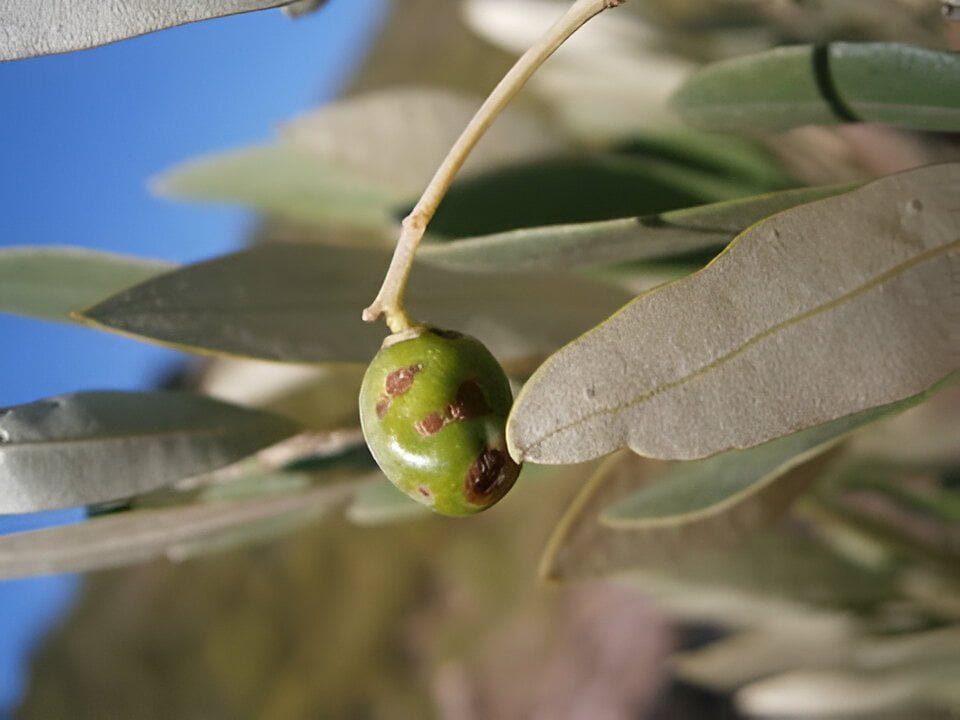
358, 161
397, 137
650, 237
693, 491
136, 536
819, 312
31, 28
787, 87
302, 303
733, 549
93, 447
284, 181
51, 282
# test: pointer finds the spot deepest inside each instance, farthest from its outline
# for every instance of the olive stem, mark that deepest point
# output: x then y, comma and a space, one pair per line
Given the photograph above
389, 300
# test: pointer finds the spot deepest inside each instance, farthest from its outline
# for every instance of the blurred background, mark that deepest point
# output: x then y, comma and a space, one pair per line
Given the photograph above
80, 136
435, 618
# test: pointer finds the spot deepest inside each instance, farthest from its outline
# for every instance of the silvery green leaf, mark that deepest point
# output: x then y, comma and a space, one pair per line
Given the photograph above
51, 282
30, 28
92, 447
302, 303
816, 313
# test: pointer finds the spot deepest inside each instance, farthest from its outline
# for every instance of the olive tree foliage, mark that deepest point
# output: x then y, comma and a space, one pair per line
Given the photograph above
746, 346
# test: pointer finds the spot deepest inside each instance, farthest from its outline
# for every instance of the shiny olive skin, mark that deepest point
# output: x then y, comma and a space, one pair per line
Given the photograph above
434, 406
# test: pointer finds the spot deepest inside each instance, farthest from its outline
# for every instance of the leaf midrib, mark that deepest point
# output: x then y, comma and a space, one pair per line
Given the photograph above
772, 330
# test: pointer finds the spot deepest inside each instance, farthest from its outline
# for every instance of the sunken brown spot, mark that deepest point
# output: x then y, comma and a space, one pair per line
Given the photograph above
399, 381
430, 425
470, 402
489, 477
424, 490
446, 334
383, 404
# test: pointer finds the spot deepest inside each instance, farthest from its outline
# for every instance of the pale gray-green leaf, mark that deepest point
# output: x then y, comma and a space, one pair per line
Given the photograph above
819, 312
92, 447
650, 237
733, 550
787, 87
380, 503
139, 535
51, 282
285, 181
302, 303
397, 137
29, 28
692, 490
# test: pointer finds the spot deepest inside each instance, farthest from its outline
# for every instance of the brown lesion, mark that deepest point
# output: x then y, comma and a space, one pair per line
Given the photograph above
468, 404
383, 404
399, 381
431, 424
489, 477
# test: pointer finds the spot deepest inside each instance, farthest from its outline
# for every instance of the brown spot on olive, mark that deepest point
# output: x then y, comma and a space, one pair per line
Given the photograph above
399, 381
490, 476
470, 402
424, 490
383, 404
430, 425
446, 334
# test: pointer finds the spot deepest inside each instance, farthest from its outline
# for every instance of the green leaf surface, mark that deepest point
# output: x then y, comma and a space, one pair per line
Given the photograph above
819, 312
51, 282
93, 447
31, 28
577, 188
652, 237
787, 87
380, 503
302, 303
397, 137
284, 181
693, 490
734, 552
130, 537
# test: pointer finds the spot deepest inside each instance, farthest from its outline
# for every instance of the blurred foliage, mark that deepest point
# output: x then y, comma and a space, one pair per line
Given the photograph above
849, 591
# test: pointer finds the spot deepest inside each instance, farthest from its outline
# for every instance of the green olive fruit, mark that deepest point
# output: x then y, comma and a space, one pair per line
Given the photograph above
434, 406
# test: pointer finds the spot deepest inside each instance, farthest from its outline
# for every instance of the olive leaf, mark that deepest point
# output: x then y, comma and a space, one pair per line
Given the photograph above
130, 537
301, 303
819, 312
358, 161
397, 137
284, 181
380, 502
51, 282
651, 237
735, 548
787, 87
692, 491
31, 28
92, 447
578, 188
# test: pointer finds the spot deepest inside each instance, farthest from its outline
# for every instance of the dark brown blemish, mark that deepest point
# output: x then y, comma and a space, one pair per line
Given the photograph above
430, 425
469, 403
399, 381
446, 334
489, 477
383, 404
424, 490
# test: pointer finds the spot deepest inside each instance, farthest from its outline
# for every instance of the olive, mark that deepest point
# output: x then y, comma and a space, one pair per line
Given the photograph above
434, 406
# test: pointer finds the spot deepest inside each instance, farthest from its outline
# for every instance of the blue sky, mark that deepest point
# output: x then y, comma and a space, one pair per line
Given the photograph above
80, 134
